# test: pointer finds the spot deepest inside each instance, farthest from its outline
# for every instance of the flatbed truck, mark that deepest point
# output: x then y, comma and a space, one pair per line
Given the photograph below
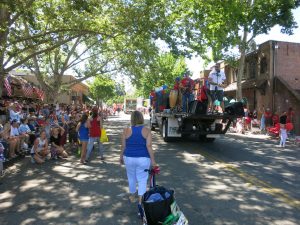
181, 125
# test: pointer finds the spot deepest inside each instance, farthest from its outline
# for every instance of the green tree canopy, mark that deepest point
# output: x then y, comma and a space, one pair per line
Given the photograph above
163, 71
199, 25
29, 28
102, 88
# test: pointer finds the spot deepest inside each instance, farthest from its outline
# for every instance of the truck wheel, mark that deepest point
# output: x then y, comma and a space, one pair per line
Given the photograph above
165, 131
203, 138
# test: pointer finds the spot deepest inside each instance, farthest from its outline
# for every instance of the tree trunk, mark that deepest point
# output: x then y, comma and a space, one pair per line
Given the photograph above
4, 21
51, 95
242, 49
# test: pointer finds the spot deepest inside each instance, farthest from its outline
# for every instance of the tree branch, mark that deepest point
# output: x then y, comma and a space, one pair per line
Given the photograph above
22, 61
32, 37
74, 82
74, 64
78, 57
21, 51
70, 53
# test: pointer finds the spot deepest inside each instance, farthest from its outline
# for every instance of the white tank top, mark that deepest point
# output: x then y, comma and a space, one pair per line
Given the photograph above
40, 146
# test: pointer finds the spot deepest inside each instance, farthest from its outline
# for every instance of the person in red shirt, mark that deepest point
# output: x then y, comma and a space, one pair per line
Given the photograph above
268, 117
177, 83
95, 134
186, 86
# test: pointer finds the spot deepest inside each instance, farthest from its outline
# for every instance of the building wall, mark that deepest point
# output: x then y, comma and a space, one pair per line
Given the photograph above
287, 63
287, 57
285, 99
284, 64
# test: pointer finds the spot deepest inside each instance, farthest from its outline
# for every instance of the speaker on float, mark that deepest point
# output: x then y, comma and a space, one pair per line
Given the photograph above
235, 109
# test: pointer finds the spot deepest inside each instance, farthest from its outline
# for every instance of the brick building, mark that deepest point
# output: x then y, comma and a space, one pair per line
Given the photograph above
271, 78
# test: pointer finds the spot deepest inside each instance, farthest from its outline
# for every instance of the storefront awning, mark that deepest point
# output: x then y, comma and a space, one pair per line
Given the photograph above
86, 98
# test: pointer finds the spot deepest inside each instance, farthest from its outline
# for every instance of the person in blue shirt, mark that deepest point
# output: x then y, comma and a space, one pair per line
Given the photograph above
24, 131
83, 132
24, 128
137, 155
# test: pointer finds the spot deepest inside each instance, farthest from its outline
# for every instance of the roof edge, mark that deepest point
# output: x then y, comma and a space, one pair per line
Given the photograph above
289, 87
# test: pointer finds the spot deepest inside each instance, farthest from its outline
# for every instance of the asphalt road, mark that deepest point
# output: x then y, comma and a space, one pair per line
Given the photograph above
235, 180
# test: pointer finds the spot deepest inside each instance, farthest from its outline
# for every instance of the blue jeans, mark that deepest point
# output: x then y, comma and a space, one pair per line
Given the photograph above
90, 146
186, 99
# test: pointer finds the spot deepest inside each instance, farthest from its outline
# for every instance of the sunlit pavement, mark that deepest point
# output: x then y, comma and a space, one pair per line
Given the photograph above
235, 180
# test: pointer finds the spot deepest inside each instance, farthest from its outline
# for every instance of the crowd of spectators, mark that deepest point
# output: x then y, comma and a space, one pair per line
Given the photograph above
38, 129
264, 120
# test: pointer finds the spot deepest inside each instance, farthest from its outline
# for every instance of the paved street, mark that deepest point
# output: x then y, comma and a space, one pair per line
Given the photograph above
235, 180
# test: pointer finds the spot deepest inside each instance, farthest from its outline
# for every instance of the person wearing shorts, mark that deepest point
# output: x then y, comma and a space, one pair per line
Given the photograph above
217, 81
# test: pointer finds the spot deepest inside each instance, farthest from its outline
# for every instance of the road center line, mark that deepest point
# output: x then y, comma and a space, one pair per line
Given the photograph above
264, 187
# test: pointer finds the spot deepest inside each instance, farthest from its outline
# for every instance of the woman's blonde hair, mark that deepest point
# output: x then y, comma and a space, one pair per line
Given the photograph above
137, 118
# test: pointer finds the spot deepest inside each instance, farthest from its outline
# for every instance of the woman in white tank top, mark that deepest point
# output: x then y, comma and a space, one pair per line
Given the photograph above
40, 149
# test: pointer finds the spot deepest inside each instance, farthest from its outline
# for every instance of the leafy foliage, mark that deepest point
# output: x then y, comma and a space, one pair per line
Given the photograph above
162, 71
221, 25
103, 88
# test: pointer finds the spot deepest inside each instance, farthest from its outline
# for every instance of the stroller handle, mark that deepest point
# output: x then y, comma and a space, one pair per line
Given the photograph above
153, 171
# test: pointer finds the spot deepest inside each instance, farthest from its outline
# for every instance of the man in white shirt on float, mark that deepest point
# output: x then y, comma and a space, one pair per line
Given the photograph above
217, 81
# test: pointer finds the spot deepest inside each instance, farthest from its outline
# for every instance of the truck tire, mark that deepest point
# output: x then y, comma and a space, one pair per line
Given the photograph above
203, 138
165, 131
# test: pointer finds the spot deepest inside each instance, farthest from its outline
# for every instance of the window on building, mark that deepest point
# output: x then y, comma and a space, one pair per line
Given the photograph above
263, 65
252, 69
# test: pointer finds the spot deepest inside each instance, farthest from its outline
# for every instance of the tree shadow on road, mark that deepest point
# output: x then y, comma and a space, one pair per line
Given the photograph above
66, 192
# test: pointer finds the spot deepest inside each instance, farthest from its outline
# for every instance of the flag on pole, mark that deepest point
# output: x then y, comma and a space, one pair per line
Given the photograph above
8, 86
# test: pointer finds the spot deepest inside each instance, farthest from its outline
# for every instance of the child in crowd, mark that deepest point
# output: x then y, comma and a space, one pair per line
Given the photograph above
40, 151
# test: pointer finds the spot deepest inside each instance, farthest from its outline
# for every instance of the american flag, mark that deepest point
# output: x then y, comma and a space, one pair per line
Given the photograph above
7, 86
40, 93
27, 89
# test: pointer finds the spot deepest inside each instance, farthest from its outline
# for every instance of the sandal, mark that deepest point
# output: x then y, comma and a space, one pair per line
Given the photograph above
83, 162
131, 199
